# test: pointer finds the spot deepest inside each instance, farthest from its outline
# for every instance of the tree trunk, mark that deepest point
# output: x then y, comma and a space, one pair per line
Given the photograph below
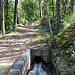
63, 2
40, 6
74, 7
7, 7
71, 6
0, 14
2, 17
58, 3
49, 21
22, 13
0, 5
25, 20
15, 13
18, 22
66, 6
53, 7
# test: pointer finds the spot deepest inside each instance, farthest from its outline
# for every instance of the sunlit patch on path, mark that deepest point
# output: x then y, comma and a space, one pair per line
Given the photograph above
13, 45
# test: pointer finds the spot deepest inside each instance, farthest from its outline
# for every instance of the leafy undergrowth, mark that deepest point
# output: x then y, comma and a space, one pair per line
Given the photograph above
65, 43
44, 32
65, 56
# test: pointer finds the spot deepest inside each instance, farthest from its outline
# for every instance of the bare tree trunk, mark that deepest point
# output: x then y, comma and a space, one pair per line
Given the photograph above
25, 20
66, 6
7, 5
0, 5
0, 14
58, 3
53, 7
63, 2
2, 17
18, 22
23, 13
74, 7
40, 6
15, 13
49, 21
71, 6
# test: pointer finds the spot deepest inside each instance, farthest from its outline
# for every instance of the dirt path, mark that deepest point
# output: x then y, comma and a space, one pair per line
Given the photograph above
13, 45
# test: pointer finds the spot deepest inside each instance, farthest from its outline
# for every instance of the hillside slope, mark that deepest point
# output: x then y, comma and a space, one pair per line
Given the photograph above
65, 56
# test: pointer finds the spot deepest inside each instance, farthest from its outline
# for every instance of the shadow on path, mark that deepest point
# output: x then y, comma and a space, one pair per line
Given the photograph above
13, 45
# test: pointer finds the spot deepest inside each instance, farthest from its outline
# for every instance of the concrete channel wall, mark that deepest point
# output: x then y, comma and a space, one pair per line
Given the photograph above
21, 66
39, 52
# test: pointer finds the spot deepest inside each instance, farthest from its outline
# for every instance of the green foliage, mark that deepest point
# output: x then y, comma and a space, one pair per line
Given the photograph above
29, 8
71, 70
9, 21
63, 3
0, 34
57, 40
70, 19
45, 33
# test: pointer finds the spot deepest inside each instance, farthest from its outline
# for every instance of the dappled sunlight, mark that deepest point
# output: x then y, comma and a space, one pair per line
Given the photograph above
5, 64
13, 45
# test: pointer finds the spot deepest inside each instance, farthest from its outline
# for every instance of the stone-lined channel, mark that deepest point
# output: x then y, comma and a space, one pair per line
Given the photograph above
26, 60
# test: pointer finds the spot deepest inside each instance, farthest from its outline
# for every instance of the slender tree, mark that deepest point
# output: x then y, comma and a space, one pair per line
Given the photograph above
7, 7
18, 22
15, 13
2, 17
53, 7
71, 6
23, 13
40, 6
66, 6
58, 7
49, 21
0, 5
63, 2
0, 14
56, 71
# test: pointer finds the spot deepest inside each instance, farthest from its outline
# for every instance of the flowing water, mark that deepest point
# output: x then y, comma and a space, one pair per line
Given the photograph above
37, 70
40, 67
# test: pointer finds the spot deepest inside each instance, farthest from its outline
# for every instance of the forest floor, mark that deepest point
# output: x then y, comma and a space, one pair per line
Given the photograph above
14, 44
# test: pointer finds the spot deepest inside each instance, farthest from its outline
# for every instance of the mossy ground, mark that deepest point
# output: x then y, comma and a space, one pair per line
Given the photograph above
65, 57
65, 43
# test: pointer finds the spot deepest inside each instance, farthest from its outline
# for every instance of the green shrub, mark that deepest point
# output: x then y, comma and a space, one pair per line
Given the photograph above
70, 19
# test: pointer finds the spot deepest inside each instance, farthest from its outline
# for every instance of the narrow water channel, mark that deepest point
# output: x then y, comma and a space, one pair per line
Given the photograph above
39, 67
37, 70
35, 62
